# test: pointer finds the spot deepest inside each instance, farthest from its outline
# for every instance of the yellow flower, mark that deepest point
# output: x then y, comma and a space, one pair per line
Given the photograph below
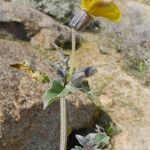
102, 8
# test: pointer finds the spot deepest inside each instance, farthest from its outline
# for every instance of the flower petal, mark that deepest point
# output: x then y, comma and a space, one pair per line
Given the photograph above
109, 11
85, 4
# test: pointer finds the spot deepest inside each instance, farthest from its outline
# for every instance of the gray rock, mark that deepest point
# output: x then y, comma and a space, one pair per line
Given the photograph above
24, 125
26, 23
59, 9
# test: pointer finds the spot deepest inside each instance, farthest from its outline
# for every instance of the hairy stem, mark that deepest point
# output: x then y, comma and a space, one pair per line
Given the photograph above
63, 112
63, 124
72, 54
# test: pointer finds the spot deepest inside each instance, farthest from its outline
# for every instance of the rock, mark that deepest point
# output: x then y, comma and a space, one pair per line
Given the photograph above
59, 10
62, 11
24, 22
133, 139
104, 46
23, 122
105, 101
13, 30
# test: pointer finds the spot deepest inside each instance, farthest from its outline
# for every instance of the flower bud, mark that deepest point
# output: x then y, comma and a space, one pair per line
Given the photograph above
77, 78
81, 20
89, 71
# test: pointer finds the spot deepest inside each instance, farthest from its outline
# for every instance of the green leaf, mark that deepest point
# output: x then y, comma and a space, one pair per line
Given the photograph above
66, 91
101, 138
51, 94
85, 87
57, 91
112, 130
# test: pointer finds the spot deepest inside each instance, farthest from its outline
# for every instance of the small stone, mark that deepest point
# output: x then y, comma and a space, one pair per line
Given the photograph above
26, 23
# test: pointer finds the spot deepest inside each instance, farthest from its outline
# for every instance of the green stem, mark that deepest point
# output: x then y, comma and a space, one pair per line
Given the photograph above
72, 54
63, 124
